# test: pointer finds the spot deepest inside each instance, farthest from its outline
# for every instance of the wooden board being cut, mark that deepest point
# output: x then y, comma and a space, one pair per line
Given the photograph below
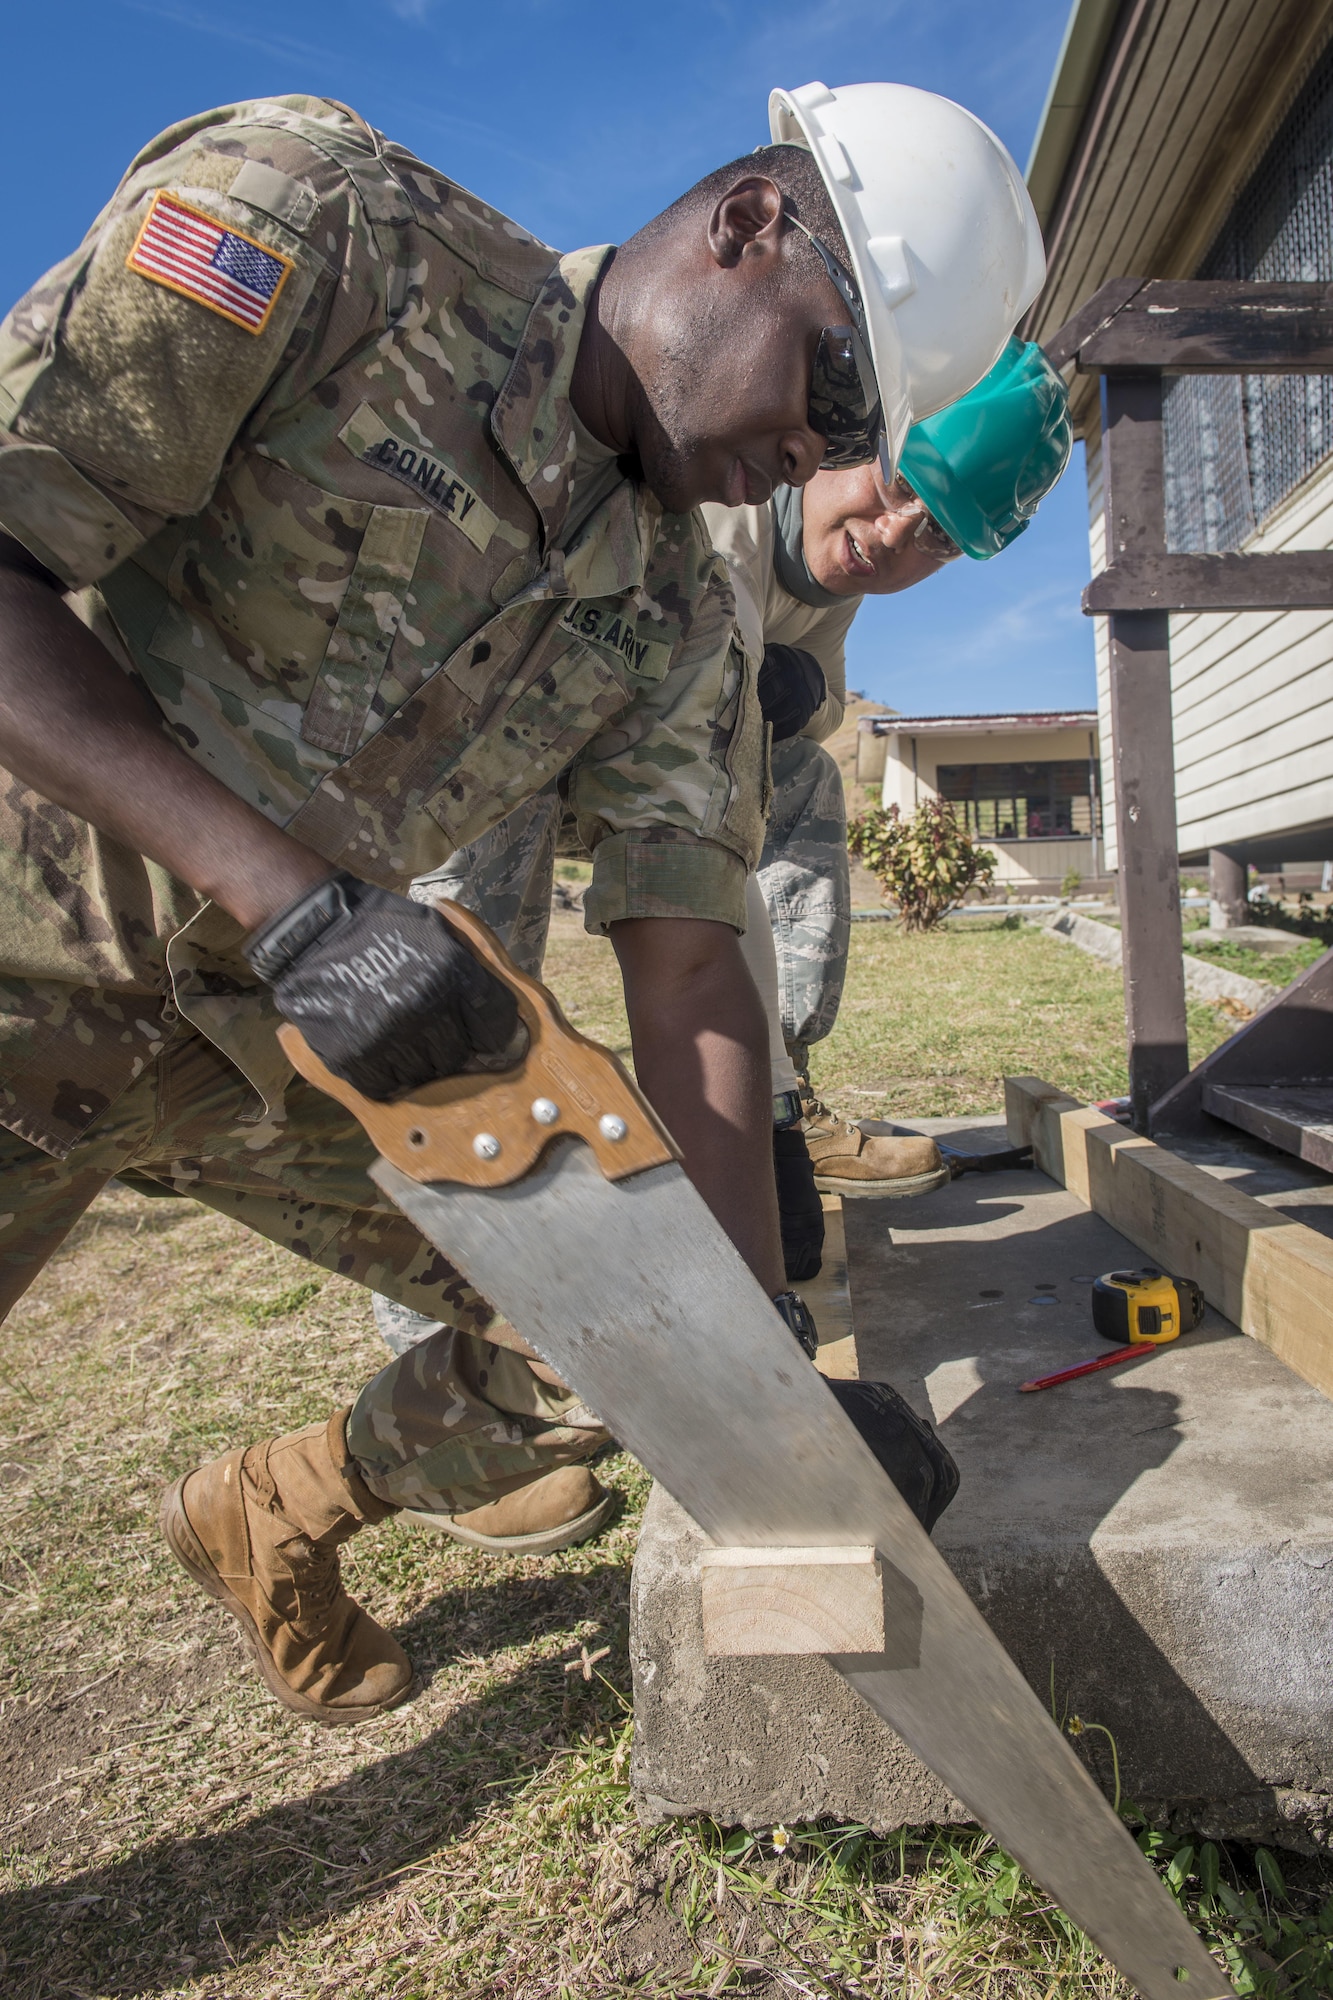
784, 1600
1271, 1275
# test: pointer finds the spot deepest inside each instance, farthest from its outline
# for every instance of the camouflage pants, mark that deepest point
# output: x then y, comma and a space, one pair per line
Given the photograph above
451, 1424
804, 876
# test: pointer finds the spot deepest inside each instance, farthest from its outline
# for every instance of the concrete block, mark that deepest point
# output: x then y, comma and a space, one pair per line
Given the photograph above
1264, 938
1154, 1545
751, 1742
1204, 981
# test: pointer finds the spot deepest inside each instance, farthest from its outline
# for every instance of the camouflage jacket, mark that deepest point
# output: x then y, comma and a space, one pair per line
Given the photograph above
292, 426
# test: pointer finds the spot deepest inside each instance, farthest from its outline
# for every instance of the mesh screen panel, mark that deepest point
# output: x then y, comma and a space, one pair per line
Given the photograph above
1236, 446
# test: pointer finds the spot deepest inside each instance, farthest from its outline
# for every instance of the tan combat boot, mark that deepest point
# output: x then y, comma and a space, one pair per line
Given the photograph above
260, 1530
850, 1162
547, 1514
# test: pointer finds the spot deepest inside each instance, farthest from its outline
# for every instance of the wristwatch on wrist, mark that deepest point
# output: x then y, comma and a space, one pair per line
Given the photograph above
786, 1110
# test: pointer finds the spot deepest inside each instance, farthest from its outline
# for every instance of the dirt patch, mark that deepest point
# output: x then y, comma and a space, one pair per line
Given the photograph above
59, 1744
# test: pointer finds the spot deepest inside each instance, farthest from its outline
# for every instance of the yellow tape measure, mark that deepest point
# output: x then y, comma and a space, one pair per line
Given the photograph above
1145, 1308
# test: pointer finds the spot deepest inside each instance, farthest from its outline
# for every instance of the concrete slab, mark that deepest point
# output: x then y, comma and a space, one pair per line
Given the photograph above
1154, 1545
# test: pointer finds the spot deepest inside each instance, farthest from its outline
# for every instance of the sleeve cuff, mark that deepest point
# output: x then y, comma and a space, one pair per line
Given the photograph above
827, 718
59, 516
664, 872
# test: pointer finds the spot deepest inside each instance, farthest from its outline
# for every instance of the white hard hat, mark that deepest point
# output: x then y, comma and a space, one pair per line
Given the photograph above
944, 240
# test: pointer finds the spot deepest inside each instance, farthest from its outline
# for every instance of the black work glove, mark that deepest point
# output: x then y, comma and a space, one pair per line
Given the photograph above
791, 688
385, 994
920, 1467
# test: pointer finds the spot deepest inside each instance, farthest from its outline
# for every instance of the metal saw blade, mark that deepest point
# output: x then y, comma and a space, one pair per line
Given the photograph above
632, 1291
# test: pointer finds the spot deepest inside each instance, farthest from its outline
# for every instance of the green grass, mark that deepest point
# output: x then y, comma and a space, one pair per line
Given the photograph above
1273, 968
169, 1831
931, 1025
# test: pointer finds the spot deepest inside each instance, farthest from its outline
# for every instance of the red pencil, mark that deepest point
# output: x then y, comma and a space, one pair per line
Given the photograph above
1110, 1360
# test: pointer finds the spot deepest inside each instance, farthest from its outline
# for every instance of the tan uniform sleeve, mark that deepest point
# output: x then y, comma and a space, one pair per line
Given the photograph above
768, 615
821, 631
128, 371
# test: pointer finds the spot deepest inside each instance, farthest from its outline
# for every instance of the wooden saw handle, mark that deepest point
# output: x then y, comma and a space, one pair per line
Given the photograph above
488, 1127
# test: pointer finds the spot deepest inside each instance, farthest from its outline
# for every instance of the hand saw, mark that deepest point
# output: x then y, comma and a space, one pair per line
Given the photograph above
556, 1190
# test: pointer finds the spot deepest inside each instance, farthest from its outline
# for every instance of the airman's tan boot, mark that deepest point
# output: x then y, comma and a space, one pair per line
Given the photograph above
550, 1513
260, 1530
850, 1162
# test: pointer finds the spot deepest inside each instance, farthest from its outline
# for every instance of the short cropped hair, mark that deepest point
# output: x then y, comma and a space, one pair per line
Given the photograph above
793, 168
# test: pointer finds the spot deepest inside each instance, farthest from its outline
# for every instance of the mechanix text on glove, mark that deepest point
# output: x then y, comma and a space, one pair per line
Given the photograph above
383, 991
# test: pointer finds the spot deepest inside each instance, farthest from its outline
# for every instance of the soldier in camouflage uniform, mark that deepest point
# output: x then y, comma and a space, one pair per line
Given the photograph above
800, 567
310, 571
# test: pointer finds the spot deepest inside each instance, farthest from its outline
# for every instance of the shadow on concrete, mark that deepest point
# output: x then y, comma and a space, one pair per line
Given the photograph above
1057, 1531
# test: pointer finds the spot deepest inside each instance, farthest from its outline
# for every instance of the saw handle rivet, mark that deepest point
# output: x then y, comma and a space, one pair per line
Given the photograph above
486, 1146
416, 1137
545, 1111
611, 1127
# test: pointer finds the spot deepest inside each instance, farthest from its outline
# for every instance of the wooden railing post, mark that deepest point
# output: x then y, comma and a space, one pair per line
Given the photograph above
1143, 750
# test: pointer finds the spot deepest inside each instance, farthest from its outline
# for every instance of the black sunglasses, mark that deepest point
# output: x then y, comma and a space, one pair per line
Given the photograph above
844, 404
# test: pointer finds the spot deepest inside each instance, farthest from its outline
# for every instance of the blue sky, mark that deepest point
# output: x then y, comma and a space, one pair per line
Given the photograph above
581, 119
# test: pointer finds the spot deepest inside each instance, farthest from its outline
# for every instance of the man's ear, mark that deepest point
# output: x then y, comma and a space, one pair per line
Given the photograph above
748, 218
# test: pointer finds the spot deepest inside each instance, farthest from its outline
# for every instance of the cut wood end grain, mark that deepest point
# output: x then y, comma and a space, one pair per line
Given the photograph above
792, 1600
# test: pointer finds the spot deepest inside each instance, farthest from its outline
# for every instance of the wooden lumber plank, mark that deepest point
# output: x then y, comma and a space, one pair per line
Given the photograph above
1218, 326
1288, 1041
1141, 745
1145, 810
1062, 346
1296, 1118
1133, 475
1269, 1274
792, 1600
1285, 580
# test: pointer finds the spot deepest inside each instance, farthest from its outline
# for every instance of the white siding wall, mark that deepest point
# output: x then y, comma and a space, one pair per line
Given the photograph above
1252, 696
1021, 861
1097, 551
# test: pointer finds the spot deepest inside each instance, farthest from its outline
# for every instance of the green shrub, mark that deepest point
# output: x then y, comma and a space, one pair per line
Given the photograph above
1071, 883
1305, 919
925, 865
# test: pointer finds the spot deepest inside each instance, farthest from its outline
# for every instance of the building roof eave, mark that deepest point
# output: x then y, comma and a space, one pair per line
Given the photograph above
1087, 33
978, 725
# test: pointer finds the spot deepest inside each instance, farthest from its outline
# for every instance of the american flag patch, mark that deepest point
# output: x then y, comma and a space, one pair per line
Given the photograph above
201, 258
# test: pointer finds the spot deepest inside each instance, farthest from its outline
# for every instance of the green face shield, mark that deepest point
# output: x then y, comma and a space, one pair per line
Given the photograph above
982, 465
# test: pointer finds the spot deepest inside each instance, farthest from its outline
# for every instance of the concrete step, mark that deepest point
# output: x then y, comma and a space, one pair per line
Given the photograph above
1153, 1544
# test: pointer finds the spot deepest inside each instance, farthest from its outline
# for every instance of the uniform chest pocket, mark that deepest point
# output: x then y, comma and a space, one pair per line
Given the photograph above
368, 618
538, 700
516, 750
280, 587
